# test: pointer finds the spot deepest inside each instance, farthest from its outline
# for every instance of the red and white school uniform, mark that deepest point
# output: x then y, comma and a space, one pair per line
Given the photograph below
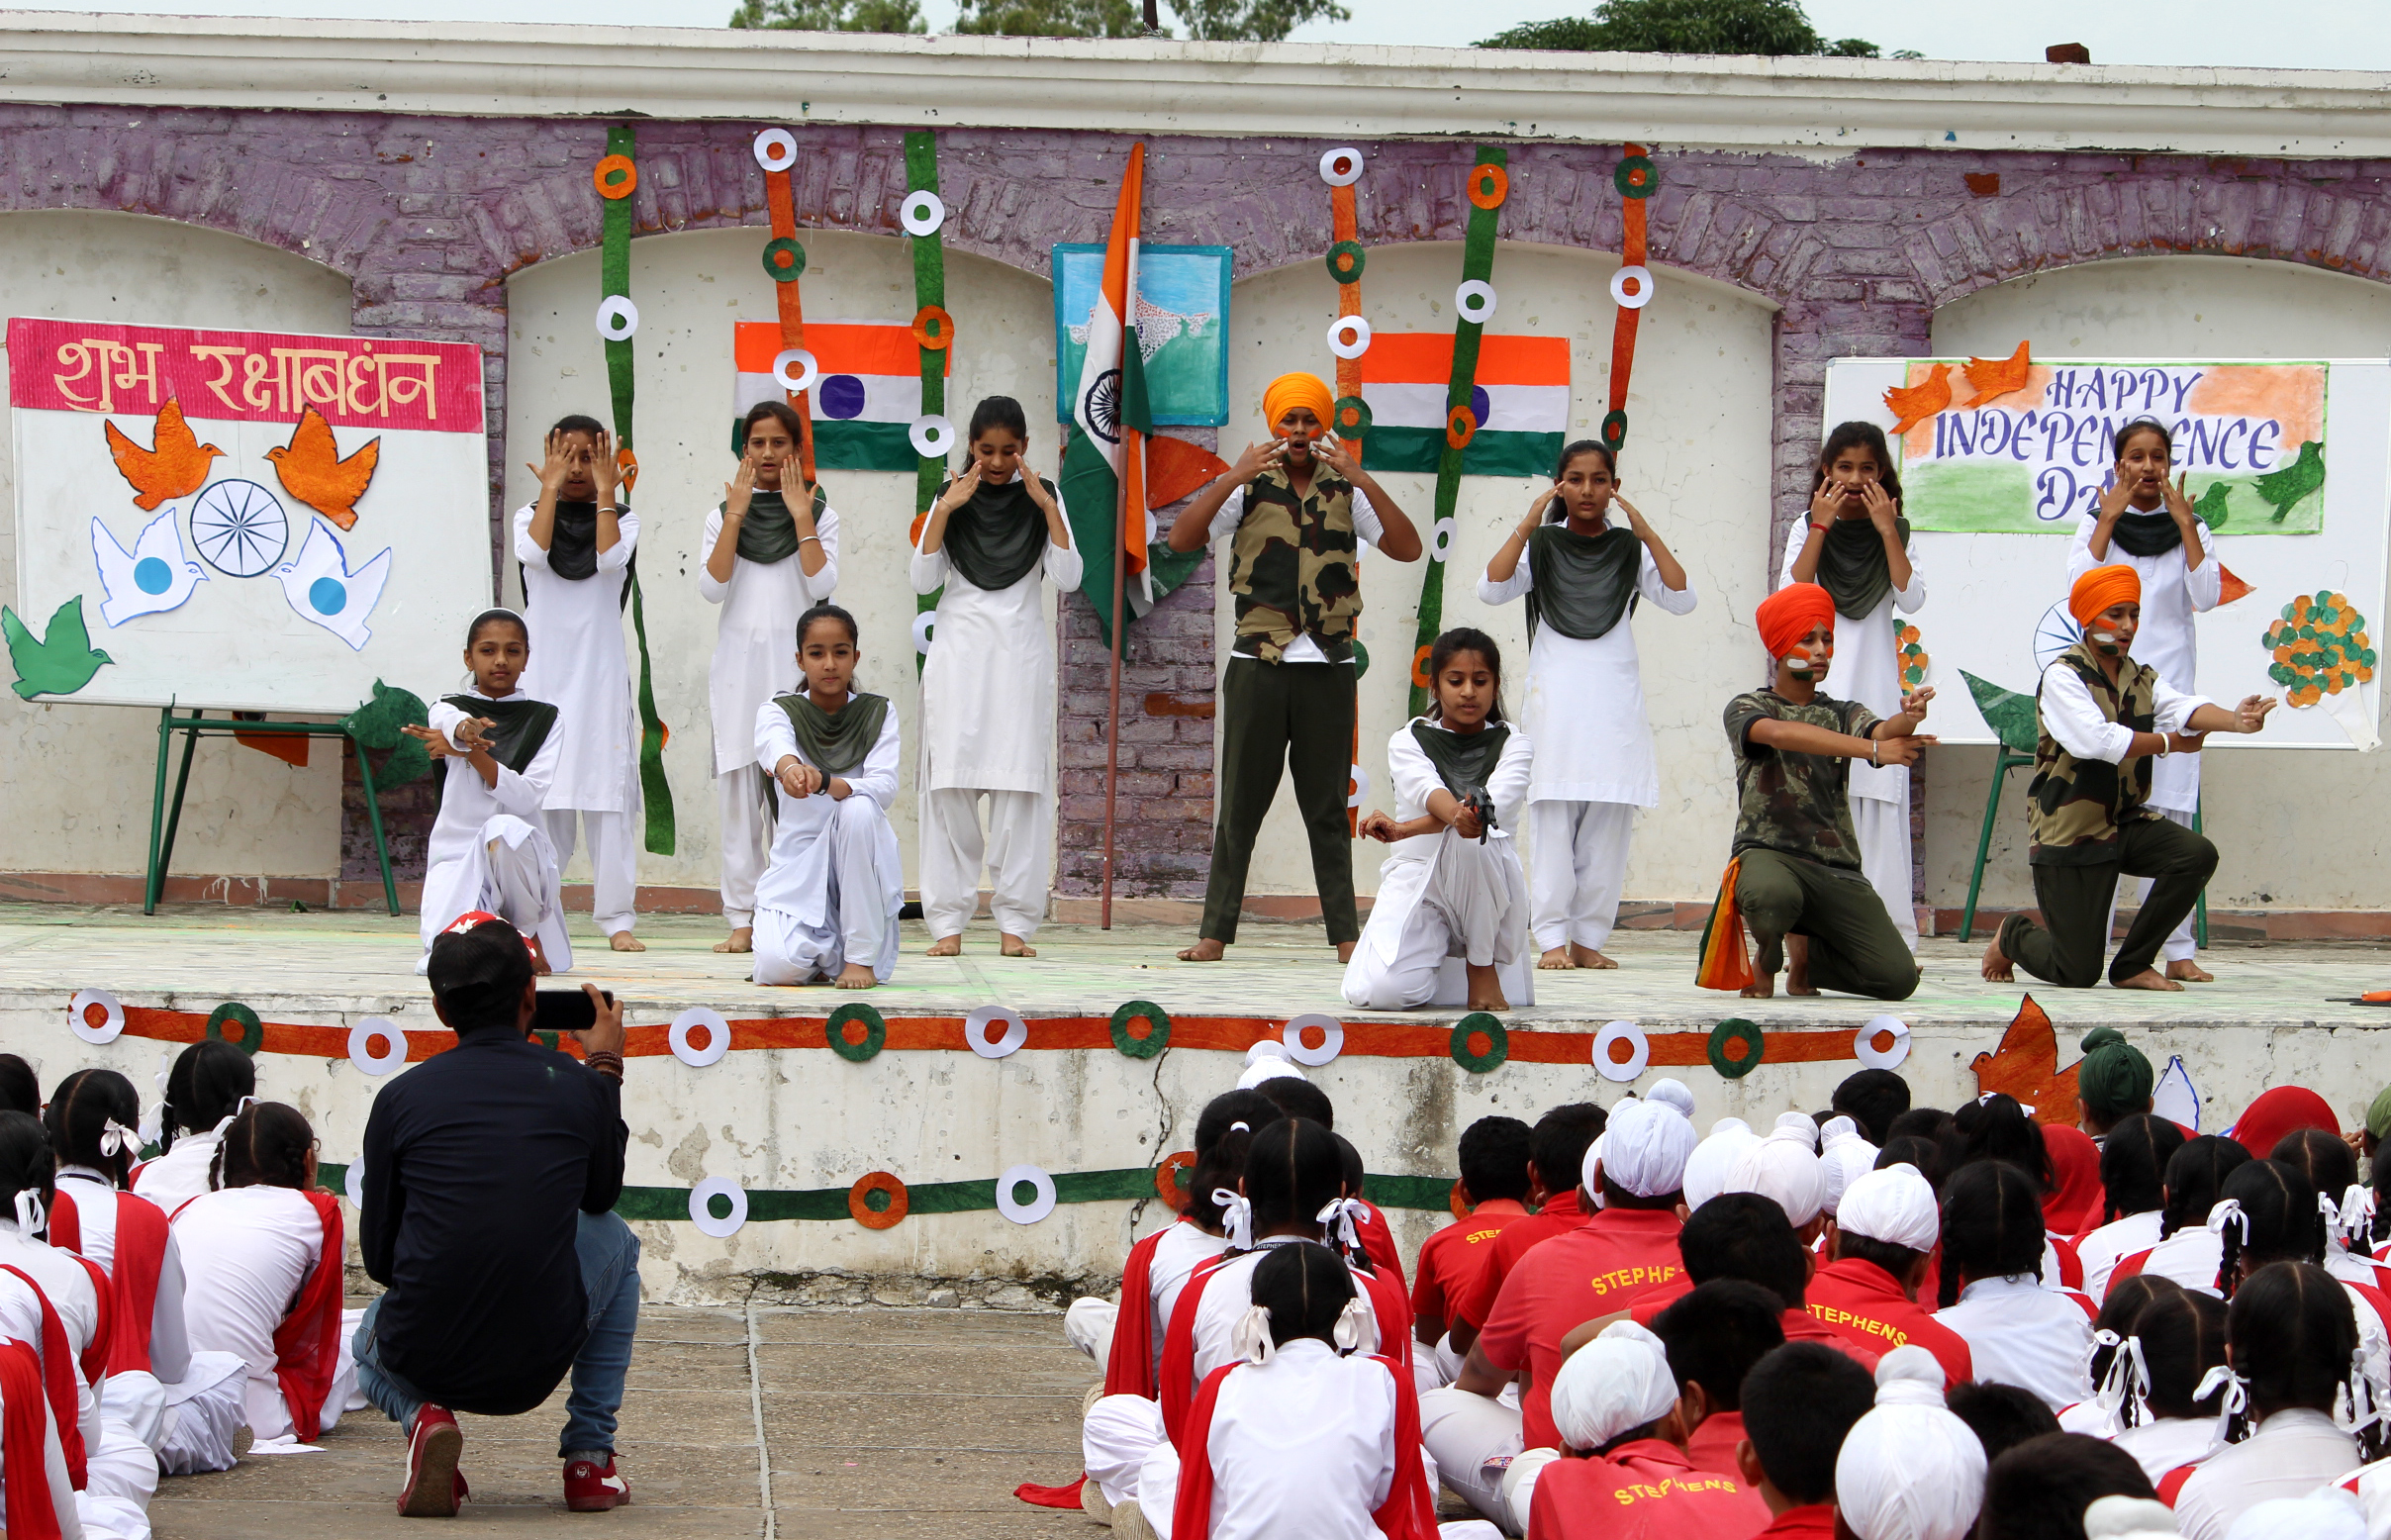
1378, 1241
1859, 1301
1450, 1262
2101, 1249
182, 1174
2019, 1332
2190, 1257
2167, 1445
1644, 1489
2290, 1454
58, 1305
1559, 1216
39, 1501
264, 1267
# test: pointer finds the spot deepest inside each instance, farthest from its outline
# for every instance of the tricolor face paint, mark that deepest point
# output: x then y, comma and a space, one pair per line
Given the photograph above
2111, 632
1814, 656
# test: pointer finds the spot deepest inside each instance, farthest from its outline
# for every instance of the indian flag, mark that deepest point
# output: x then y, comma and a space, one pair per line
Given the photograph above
866, 400
1521, 403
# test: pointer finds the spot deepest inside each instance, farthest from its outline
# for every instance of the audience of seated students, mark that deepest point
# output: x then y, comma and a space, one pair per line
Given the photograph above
1800, 1402
2134, 1159
1557, 1147
1492, 1192
1994, 1293
205, 1089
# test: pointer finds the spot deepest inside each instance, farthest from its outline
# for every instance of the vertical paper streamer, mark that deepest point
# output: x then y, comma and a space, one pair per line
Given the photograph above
1345, 223
929, 291
1635, 177
614, 276
782, 204
1477, 264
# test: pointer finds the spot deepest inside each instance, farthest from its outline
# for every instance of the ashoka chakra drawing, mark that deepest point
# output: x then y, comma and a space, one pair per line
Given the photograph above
240, 528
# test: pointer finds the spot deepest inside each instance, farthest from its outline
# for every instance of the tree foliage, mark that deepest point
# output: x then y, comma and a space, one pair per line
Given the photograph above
1770, 27
831, 15
1253, 20
1053, 17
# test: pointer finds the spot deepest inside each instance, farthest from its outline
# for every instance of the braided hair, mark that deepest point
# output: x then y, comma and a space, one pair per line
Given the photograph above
1306, 1287
2295, 1343
2283, 1223
267, 1145
1992, 1226
2194, 1176
2126, 1299
205, 1085
1292, 1171
2182, 1334
2133, 1165
1224, 1134
1997, 1128
82, 1107
27, 1163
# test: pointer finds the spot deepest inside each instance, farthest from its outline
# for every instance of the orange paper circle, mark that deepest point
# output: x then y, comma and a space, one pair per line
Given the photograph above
919, 519
1166, 1179
878, 1181
1461, 1210
1461, 426
928, 316
613, 165
1488, 186
628, 464
1419, 665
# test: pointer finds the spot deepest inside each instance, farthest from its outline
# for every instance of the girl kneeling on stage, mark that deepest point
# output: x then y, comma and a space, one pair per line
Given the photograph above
825, 911
1452, 884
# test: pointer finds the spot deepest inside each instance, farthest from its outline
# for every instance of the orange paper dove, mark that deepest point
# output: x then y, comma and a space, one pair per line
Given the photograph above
1994, 377
311, 469
175, 466
1914, 404
2026, 1065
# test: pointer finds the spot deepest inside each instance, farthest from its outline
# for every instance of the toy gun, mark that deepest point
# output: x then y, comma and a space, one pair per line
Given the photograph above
1478, 801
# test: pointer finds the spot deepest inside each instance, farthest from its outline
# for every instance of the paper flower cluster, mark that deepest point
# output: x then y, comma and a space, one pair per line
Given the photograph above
2320, 648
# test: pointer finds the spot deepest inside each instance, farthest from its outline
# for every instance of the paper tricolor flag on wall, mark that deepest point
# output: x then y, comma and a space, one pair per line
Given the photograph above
864, 403
1521, 403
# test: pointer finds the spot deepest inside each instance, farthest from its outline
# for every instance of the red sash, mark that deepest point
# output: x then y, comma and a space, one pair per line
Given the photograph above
1129, 1370
2170, 1485
2126, 1267
129, 1286
307, 1345
1379, 1242
65, 1230
102, 1335
58, 1376
2071, 1265
1408, 1513
32, 1513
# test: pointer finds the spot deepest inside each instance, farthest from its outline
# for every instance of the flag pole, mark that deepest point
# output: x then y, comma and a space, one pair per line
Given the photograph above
1121, 562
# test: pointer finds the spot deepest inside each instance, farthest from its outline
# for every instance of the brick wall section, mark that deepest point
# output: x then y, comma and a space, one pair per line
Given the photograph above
427, 215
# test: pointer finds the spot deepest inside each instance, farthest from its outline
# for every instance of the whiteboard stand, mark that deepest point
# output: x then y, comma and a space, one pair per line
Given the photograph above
164, 822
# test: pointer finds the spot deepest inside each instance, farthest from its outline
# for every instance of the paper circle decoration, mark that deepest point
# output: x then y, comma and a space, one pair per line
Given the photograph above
250, 1030
933, 327
1361, 788
1489, 185
1476, 300
1635, 176
1332, 1038
1419, 665
796, 369
1476, 1027
1735, 1029
718, 1037
1000, 1044
111, 1024
1864, 1044
1631, 287
617, 318
925, 625
1639, 1051
1360, 654
364, 1036
701, 1206
353, 1182
241, 527
922, 214
776, 149
932, 435
1614, 428
1346, 259
1349, 337
1461, 426
1342, 166
783, 259
895, 1200
875, 1032
1157, 1035
615, 177
1039, 1205
1441, 538
1166, 1178
1350, 417
1453, 1203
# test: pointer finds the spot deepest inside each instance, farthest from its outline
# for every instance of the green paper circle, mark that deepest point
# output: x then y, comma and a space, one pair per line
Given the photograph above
796, 268
1627, 168
1350, 252
1154, 1042
252, 1030
875, 1032
1360, 659
1498, 1043
1728, 1031
1614, 430
1362, 417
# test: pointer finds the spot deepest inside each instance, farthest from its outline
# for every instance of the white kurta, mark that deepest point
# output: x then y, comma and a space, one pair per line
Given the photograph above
456, 860
248, 1251
1867, 663
2291, 1455
578, 663
1302, 1445
755, 649
987, 686
123, 1468
2190, 1257
182, 1174
2162, 1445
811, 897
2020, 1333
2101, 1250
2171, 596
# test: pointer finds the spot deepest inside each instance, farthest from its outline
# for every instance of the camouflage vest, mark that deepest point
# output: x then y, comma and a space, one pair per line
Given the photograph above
1295, 567
2075, 806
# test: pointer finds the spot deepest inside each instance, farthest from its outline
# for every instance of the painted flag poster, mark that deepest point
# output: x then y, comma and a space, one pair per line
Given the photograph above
2249, 437
865, 402
1521, 403
1181, 326
240, 520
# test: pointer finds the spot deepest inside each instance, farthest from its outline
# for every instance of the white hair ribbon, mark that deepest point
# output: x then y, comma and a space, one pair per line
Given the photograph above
1347, 1334
2227, 1210
1241, 1128
1237, 1217
1339, 1216
2229, 1405
2124, 1389
1250, 1338
2355, 1219
1989, 1095
30, 1216
116, 1139
2353, 1409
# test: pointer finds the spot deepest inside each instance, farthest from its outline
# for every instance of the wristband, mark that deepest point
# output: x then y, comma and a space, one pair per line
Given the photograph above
605, 1061
1875, 746
815, 539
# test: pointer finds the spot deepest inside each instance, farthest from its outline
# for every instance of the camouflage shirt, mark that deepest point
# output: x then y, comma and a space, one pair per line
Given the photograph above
1795, 803
2074, 807
1295, 566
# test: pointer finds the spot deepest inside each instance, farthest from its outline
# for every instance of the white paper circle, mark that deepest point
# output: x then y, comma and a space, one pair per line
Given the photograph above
1265, 1048
1361, 788
925, 625
1341, 167
617, 318
1622, 1032
1331, 1029
718, 1037
1641, 277
933, 437
353, 1182
361, 1040
922, 214
776, 149
701, 1216
1476, 301
1037, 1207
1441, 538
1864, 1044
1349, 337
107, 1031
808, 370
981, 1018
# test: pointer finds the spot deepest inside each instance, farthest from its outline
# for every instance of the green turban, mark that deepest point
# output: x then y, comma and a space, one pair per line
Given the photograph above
2114, 1079
2378, 1117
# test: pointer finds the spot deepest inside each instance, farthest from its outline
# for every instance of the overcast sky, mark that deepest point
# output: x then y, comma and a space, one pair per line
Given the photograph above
2301, 34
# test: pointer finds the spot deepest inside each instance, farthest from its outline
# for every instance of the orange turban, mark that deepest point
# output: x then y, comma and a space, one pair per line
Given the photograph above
2099, 588
1289, 391
1786, 616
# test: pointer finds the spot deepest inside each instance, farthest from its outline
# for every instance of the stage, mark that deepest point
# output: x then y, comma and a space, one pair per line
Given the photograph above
826, 1136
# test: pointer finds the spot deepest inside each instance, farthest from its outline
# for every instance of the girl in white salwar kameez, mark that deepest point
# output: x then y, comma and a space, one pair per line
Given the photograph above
994, 537
767, 561
204, 1091
2145, 521
489, 850
576, 544
1581, 577
1856, 544
825, 911
1452, 884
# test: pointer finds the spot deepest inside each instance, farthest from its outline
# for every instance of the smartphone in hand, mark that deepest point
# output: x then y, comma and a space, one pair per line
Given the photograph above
565, 1011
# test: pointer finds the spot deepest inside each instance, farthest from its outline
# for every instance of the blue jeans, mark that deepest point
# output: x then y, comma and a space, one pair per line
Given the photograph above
610, 1275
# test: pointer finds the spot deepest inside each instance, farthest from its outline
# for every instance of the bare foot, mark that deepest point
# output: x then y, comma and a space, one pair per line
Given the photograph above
625, 942
1013, 946
946, 946
740, 940
855, 975
1486, 990
540, 957
1761, 987
2148, 979
1345, 955
1205, 950
1996, 967
2190, 972
1797, 966
1587, 957
1558, 957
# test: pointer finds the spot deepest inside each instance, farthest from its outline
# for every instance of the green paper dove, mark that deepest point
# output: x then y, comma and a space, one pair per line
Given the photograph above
2211, 508
63, 661
2284, 488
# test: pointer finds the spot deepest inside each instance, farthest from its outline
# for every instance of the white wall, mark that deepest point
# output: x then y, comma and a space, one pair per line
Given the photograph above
2282, 820
1695, 463
690, 289
79, 777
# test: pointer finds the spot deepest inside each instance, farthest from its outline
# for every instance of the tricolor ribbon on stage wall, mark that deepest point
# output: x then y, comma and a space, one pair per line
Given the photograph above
929, 299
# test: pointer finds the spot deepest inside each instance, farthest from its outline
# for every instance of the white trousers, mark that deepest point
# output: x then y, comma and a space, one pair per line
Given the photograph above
1434, 1368
2179, 947
1116, 1436
746, 840
1472, 905
1580, 850
1088, 1326
1474, 1442
857, 923
1883, 831
511, 871
614, 840
201, 1414
1019, 853
123, 1472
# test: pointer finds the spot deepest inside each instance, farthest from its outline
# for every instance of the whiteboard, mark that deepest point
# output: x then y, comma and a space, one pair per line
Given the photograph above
1989, 594
319, 519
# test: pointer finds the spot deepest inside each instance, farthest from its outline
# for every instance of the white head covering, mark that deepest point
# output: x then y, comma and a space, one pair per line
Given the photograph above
1707, 1168
2328, 1513
1909, 1470
1644, 1148
1846, 1158
1784, 1166
1267, 1067
1895, 1206
1616, 1382
2129, 1518
1672, 1092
